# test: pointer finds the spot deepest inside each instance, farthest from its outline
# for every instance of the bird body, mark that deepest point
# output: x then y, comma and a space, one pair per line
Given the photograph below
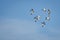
37, 18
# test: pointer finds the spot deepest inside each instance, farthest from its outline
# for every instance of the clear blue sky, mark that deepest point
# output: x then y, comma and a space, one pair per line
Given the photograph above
17, 24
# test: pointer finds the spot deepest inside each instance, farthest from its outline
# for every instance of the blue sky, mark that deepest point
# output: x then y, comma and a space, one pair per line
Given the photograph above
16, 23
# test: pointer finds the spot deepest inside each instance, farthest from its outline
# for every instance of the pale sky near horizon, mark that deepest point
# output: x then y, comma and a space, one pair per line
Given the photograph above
16, 23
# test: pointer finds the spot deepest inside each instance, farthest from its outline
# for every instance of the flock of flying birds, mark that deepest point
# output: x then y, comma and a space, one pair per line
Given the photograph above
36, 18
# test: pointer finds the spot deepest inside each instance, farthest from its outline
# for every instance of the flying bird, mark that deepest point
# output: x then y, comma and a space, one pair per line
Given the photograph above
49, 11
32, 11
47, 18
36, 18
43, 24
44, 10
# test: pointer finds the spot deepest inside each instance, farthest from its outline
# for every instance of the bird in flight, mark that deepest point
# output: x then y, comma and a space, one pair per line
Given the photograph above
43, 24
32, 11
44, 10
36, 18
47, 18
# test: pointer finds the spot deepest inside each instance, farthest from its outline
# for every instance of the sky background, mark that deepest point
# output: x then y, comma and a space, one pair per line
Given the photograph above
16, 23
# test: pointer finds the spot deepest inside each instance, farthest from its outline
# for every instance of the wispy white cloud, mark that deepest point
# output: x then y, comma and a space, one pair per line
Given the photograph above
15, 29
